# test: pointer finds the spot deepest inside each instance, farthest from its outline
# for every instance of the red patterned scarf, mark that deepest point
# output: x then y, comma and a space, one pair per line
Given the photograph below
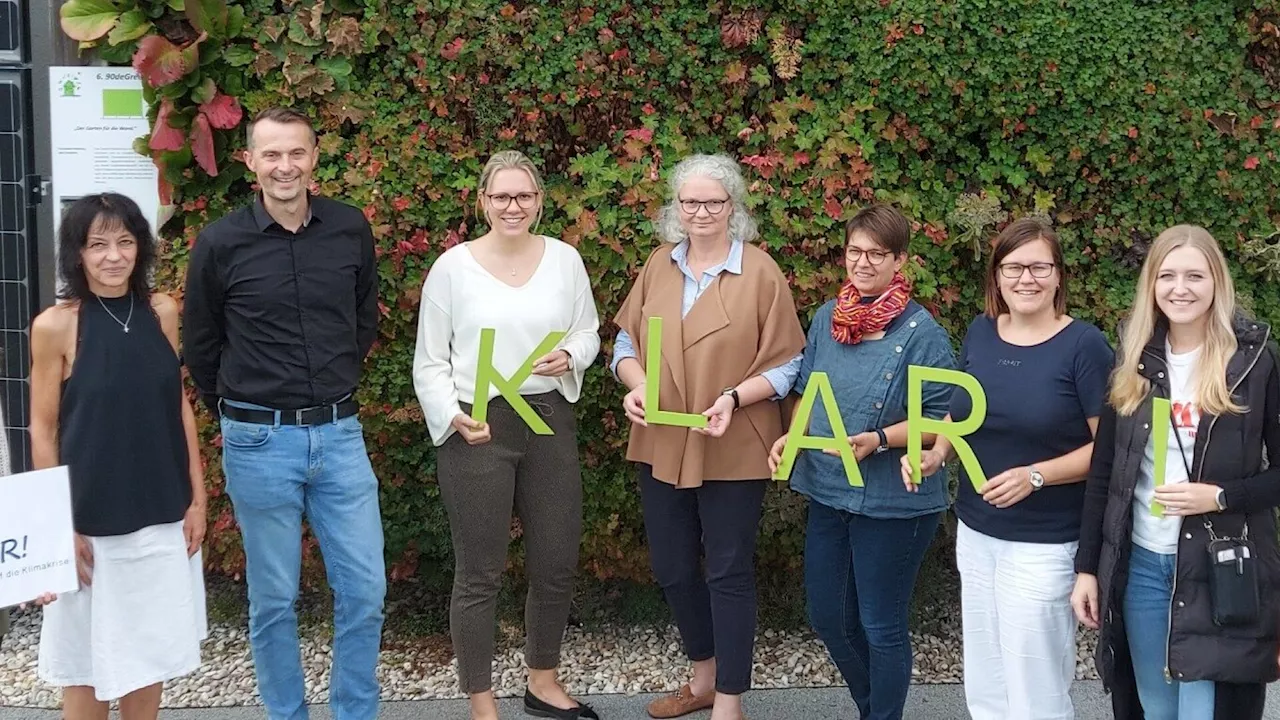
853, 318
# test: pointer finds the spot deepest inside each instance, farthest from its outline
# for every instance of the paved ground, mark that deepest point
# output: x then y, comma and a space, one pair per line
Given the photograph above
927, 702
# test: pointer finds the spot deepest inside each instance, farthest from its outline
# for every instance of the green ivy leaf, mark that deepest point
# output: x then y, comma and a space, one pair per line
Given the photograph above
88, 20
337, 67
177, 5
239, 55
298, 34
117, 54
235, 22
208, 16
131, 26
205, 91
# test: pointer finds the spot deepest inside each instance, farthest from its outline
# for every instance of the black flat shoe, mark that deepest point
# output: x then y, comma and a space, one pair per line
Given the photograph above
535, 707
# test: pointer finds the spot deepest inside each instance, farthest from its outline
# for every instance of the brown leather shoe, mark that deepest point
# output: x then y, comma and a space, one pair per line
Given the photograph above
681, 702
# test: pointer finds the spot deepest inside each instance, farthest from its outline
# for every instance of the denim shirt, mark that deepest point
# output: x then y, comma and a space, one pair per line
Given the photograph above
869, 381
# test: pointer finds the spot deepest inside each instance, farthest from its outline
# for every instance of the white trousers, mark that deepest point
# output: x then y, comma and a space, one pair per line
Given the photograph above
1019, 629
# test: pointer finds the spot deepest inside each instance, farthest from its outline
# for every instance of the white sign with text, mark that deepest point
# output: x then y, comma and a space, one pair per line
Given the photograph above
37, 538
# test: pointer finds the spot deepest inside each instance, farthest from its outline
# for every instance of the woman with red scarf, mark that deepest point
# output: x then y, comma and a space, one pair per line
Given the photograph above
864, 340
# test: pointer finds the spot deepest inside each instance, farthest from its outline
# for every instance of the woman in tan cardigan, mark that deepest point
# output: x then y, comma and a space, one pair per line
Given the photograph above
731, 347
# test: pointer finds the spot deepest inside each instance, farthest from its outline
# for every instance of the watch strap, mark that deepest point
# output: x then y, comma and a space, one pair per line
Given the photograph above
884, 440
733, 393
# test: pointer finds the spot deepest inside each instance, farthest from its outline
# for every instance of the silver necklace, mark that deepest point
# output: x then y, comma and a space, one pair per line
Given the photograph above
128, 318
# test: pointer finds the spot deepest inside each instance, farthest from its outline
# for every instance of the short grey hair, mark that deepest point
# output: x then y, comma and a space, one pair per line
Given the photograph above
724, 170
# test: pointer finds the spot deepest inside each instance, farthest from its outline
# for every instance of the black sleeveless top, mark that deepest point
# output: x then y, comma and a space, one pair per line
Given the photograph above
120, 427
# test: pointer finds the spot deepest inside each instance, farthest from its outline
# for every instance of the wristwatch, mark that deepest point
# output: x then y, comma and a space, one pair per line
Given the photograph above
733, 393
1037, 480
884, 442
1221, 499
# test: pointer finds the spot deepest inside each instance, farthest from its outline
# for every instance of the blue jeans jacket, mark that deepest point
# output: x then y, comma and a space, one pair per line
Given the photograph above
869, 380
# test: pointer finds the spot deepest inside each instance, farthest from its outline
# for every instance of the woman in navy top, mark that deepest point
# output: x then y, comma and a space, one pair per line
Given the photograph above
864, 340
1044, 375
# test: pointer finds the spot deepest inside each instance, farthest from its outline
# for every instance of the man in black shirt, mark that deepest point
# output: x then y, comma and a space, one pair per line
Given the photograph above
281, 308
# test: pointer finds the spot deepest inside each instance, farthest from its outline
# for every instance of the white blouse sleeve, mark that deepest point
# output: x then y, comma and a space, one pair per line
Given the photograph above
583, 338
433, 379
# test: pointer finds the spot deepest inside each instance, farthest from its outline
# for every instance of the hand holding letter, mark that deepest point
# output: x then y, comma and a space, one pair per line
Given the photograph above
1188, 498
553, 364
473, 432
931, 461
719, 415
633, 405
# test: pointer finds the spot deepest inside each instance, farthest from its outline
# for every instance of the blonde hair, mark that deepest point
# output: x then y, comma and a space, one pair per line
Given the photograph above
509, 160
1128, 387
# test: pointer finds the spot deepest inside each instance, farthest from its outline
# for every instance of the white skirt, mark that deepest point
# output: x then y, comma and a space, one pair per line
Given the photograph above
140, 622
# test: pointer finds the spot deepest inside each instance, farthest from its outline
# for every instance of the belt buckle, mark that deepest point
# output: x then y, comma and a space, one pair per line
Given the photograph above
297, 417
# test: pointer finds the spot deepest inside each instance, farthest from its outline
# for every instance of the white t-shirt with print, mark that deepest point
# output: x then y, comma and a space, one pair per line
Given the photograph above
1160, 534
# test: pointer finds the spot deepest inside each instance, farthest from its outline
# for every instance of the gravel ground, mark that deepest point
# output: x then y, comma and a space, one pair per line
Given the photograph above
621, 660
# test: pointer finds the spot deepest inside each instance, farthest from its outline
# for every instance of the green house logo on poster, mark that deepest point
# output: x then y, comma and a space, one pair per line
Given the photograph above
68, 86
122, 102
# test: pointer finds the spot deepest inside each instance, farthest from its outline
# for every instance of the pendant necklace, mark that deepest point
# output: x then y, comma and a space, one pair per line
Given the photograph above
128, 318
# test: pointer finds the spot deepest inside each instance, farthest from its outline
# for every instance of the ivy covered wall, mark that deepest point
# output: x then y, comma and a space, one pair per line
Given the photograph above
1113, 119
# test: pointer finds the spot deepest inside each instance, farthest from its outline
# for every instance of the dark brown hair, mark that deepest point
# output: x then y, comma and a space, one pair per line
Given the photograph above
1019, 233
281, 115
108, 211
884, 224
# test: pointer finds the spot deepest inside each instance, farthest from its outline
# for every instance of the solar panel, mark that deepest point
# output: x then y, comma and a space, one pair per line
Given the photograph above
17, 280
11, 31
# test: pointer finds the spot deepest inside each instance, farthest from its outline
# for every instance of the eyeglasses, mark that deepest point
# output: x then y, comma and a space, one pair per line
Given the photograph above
502, 201
875, 257
714, 207
1013, 271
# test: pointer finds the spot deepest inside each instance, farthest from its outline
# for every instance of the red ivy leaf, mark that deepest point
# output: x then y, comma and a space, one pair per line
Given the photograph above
832, 207
202, 145
165, 136
160, 62
163, 188
1251, 163
450, 51
223, 111
642, 134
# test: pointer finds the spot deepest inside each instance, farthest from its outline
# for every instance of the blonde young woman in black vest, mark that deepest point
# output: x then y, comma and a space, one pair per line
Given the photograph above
1170, 648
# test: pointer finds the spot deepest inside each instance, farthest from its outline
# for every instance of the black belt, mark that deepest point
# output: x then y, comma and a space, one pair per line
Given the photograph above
306, 416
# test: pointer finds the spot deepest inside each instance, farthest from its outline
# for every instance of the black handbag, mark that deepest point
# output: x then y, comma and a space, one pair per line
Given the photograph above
1233, 576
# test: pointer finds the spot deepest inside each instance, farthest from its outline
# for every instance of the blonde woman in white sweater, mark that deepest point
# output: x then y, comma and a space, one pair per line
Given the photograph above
523, 286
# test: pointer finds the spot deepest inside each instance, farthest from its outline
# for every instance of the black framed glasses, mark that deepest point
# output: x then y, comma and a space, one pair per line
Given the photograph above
875, 257
502, 201
1013, 271
714, 207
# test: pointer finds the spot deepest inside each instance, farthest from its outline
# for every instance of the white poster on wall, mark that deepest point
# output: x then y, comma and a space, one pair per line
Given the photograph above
96, 113
37, 539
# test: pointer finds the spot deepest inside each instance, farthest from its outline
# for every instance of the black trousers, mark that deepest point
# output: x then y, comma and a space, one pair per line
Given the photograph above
715, 612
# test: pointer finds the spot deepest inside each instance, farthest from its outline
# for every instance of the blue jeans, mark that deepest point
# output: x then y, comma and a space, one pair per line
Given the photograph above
859, 573
1146, 622
274, 474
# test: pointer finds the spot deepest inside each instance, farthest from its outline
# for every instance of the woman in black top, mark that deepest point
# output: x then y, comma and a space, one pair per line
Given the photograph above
107, 401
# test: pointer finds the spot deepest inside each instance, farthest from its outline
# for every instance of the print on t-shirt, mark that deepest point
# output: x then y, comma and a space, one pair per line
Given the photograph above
1160, 534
